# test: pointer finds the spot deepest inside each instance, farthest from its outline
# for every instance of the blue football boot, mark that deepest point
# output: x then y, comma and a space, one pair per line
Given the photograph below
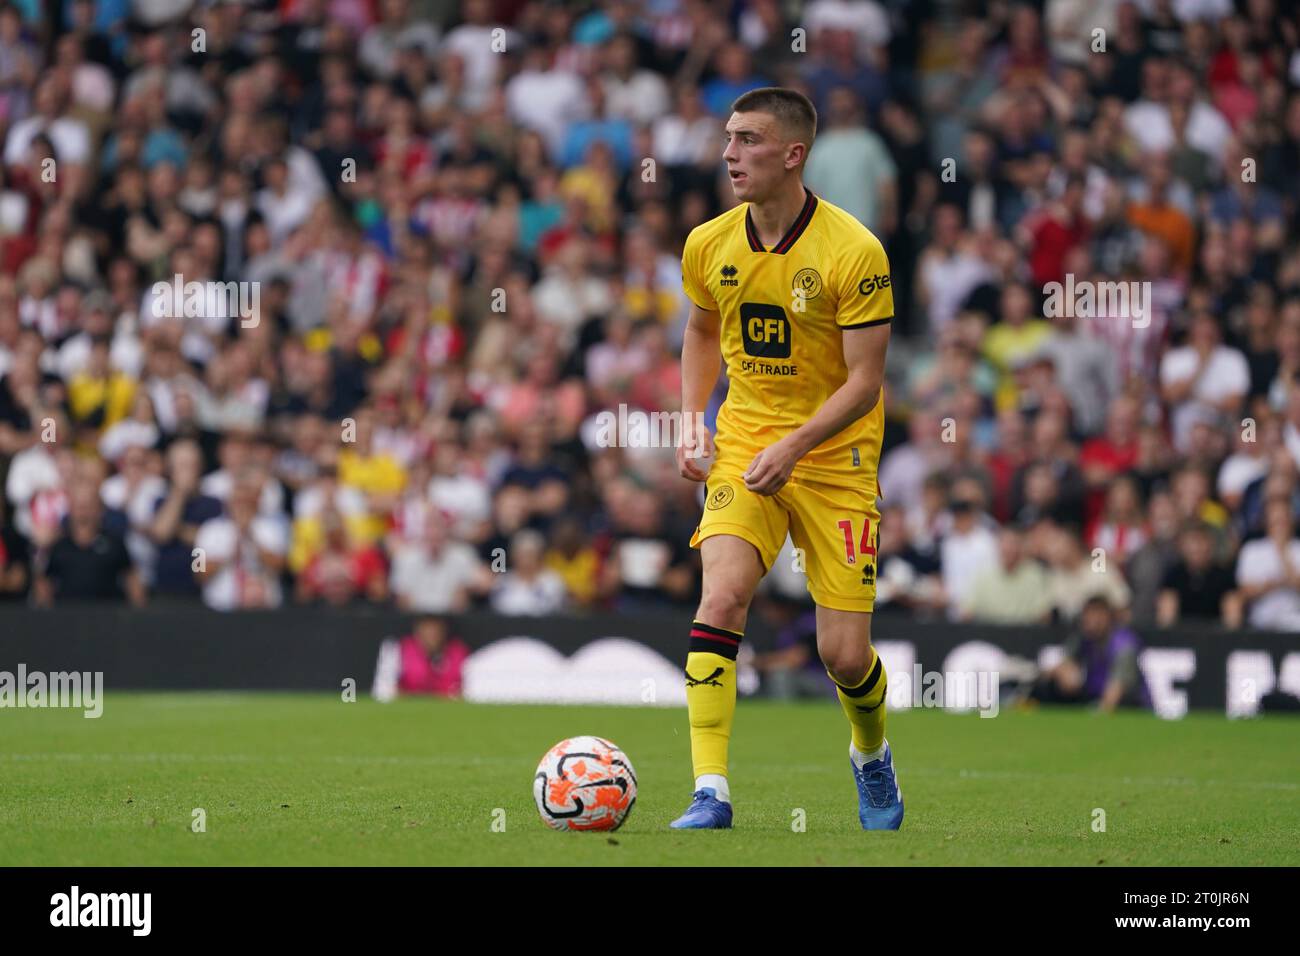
706, 812
880, 802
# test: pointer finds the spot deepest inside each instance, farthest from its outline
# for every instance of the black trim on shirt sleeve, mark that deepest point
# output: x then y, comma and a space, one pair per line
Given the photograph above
867, 325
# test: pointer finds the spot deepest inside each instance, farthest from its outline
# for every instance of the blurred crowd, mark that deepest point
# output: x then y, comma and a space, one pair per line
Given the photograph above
462, 222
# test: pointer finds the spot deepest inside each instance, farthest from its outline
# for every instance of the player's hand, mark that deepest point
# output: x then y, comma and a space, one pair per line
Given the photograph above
771, 468
688, 458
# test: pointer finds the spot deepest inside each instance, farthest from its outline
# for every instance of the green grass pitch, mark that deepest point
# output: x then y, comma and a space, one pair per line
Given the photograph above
310, 779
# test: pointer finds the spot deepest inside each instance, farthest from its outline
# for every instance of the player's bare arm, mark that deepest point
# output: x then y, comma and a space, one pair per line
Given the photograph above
701, 362
864, 356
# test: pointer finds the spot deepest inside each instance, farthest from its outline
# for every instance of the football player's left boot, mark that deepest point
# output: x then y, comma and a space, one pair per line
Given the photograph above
880, 801
706, 812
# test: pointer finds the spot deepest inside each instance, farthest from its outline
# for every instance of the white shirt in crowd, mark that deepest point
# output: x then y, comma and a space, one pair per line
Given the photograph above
1259, 562
242, 570
1239, 470
431, 582
962, 557
466, 500
513, 595
1226, 373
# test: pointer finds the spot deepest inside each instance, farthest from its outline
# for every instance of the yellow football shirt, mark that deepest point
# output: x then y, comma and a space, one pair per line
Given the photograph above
783, 311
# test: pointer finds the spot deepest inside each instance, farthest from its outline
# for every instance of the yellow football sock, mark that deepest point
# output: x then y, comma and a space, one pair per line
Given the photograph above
864, 705
711, 695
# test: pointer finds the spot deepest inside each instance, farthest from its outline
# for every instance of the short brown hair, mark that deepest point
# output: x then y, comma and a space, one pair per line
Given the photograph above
793, 111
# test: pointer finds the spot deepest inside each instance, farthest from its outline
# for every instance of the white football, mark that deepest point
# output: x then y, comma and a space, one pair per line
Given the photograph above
584, 783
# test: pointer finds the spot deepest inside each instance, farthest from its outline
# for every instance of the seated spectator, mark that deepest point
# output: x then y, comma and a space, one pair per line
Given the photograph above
1121, 528
376, 473
527, 586
325, 494
1146, 569
1100, 665
572, 557
793, 668
437, 575
651, 563
1196, 587
342, 570
175, 520
432, 661
134, 491
138, 431
1203, 376
1076, 576
1268, 572
969, 546
241, 553
459, 494
89, 560
906, 577
237, 454
99, 395
536, 471
1013, 591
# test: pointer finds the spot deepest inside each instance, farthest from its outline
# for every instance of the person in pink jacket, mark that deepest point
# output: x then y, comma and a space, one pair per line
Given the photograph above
431, 659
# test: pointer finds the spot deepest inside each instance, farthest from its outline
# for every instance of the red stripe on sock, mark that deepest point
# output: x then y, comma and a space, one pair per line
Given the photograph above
714, 637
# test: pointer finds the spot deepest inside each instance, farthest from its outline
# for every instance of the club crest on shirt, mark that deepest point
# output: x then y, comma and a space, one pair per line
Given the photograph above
807, 283
720, 497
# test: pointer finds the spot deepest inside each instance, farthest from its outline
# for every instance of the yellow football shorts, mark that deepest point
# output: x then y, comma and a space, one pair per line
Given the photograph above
834, 526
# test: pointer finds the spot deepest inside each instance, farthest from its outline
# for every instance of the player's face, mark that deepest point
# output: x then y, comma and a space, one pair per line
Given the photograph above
755, 155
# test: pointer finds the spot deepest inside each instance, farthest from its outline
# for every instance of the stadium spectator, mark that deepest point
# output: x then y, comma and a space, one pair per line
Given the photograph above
792, 669
241, 553
1100, 666
528, 586
342, 570
572, 557
437, 575
432, 660
1195, 587
178, 513
1268, 571
969, 545
88, 561
1076, 576
1012, 591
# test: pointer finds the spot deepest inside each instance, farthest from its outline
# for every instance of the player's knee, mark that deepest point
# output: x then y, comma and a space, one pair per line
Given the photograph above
846, 669
724, 605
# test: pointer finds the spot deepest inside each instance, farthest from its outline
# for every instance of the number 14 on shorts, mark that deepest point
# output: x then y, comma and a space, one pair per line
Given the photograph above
866, 544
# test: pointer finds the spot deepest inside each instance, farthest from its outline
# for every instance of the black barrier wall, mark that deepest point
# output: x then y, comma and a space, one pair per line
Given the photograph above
310, 649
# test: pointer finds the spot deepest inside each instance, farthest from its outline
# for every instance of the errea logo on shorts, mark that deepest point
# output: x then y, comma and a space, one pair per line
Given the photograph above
103, 909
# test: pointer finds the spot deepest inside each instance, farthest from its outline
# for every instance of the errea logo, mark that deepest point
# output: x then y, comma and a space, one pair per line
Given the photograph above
729, 273
871, 283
